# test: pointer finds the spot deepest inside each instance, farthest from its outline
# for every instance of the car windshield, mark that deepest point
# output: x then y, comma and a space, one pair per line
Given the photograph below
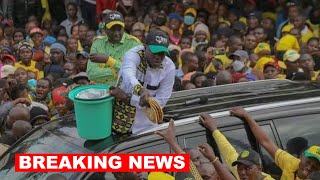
42, 141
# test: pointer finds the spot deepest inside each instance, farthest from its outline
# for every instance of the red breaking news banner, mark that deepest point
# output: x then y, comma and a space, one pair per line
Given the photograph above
102, 163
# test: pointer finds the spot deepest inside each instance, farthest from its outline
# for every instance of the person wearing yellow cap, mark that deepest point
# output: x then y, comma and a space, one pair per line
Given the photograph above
188, 20
262, 61
286, 29
263, 49
272, 71
292, 168
278, 66
290, 59
287, 42
107, 52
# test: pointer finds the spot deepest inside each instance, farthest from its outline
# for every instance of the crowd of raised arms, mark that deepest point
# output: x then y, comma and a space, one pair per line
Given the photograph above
50, 47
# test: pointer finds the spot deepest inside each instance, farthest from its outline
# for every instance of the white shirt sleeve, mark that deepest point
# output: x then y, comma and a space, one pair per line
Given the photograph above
135, 101
129, 70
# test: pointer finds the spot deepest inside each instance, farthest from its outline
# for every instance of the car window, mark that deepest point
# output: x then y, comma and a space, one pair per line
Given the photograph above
300, 130
194, 139
269, 166
238, 137
41, 141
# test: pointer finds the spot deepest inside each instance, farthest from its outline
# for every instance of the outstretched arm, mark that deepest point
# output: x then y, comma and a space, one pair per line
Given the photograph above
170, 137
228, 152
222, 171
257, 131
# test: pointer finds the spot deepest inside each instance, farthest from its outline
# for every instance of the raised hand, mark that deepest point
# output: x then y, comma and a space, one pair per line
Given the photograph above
207, 151
168, 135
239, 112
208, 122
25, 101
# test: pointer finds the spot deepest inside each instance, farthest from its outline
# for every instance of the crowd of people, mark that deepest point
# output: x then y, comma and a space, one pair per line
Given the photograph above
305, 164
50, 47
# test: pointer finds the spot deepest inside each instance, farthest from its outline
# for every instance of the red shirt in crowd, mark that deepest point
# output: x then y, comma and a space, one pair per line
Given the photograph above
102, 5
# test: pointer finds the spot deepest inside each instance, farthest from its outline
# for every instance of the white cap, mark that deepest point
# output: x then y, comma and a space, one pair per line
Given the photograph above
6, 70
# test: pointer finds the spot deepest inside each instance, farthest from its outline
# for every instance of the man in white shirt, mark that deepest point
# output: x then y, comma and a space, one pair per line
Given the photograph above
146, 72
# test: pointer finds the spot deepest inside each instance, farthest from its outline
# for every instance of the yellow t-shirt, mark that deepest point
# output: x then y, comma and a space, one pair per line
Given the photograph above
31, 68
80, 48
316, 74
281, 76
210, 68
287, 42
225, 60
191, 28
306, 36
288, 164
314, 27
229, 154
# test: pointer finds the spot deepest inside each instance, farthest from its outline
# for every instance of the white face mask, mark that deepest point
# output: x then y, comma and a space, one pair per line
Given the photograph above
238, 65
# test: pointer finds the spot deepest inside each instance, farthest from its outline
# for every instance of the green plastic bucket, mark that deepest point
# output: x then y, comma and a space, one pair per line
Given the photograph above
93, 117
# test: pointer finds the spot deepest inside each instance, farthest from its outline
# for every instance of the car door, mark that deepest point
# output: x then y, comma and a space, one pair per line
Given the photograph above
298, 132
239, 135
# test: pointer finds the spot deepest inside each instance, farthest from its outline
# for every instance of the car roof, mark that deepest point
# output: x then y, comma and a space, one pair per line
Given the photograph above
245, 94
255, 96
